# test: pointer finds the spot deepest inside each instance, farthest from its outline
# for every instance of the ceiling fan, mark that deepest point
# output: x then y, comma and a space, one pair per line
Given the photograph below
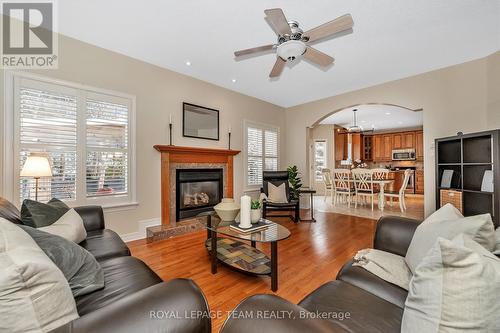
355, 128
293, 42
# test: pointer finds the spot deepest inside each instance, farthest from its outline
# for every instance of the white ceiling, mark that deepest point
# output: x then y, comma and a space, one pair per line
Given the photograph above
378, 117
392, 39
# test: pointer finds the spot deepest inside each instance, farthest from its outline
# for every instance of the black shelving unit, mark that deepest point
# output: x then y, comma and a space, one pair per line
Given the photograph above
469, 156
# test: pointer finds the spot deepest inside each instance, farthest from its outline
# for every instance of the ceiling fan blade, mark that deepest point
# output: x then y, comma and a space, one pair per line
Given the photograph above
318, 57
277, 19
254, 50
278, 67
340, 24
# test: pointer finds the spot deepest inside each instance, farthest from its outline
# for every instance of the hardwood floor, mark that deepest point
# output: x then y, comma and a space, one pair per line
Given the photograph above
313, 255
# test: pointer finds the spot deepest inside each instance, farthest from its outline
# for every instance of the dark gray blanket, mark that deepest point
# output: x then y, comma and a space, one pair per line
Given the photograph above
81, 269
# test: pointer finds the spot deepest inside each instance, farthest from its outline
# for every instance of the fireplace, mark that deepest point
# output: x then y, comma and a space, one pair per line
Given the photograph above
197, 191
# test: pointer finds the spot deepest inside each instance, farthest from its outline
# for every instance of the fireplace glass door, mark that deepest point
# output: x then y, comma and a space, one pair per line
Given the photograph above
197, 191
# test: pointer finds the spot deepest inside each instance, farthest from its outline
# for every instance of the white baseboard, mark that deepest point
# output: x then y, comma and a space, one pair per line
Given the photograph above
141, 231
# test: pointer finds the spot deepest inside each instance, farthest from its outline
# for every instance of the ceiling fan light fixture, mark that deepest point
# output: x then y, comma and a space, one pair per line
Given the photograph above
291, 49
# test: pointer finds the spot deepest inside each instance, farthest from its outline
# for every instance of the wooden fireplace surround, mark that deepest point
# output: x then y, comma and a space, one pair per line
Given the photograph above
178, 154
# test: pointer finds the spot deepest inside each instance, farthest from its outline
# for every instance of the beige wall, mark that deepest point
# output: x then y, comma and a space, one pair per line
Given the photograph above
159, 93
453, 99
494, 89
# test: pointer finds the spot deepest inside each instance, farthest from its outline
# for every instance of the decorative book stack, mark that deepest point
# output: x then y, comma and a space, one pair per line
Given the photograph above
261, 225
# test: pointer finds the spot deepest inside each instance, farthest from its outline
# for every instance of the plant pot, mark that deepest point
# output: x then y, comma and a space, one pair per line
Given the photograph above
255, 215
227, 209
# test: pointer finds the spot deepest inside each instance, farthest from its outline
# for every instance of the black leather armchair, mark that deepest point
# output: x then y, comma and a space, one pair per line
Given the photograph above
277, 178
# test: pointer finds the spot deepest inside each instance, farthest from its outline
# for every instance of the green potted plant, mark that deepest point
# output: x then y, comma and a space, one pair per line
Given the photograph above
295, 181
255, 212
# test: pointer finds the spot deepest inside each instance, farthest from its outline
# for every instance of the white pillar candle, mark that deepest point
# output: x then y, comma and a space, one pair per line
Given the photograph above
245, 211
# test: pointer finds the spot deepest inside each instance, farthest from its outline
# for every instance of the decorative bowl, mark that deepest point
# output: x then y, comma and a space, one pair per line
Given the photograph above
227, 209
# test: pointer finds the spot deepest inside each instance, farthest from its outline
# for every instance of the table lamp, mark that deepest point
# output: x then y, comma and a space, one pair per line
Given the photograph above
36, 167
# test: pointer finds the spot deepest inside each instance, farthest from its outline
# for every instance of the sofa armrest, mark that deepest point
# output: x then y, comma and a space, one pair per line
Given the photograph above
177, 306
394, 234
93, 217
270, 313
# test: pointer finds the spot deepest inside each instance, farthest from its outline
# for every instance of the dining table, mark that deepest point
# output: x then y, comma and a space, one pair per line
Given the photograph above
381, 185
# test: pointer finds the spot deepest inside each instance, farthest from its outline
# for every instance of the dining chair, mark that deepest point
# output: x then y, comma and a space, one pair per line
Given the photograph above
401, 193
379, 174
327, 182
363, 185
343, 187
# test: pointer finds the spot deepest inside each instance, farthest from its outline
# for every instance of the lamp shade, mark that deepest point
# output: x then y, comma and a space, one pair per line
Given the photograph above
36, 166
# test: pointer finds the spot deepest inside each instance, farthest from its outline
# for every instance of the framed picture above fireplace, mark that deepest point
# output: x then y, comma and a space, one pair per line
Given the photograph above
200, 122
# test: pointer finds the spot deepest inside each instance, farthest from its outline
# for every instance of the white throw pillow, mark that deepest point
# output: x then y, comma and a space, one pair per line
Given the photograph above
34, 295
387, 266
69, 226
443, 224
445, 213
277, 194
454, 289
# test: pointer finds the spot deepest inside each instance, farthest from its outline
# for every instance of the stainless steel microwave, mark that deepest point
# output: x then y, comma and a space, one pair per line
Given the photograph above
403, 155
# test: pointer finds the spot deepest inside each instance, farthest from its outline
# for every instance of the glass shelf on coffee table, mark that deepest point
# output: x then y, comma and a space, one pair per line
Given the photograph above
232, 251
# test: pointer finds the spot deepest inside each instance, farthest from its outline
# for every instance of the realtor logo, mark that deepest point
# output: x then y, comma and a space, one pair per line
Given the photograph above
28, 38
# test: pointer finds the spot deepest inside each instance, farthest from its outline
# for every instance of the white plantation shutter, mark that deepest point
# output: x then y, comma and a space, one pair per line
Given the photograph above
47, 124
107, 145
271, 150
85, 134
262, 152
254, 158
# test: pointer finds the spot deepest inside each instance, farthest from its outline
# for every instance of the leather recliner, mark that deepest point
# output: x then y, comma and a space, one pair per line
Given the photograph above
134, 298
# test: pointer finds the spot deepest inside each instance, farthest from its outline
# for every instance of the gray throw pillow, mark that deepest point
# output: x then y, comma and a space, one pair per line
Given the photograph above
37, 214
80, 268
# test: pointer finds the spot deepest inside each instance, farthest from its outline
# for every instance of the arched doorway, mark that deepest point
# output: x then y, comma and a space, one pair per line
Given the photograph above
370, 122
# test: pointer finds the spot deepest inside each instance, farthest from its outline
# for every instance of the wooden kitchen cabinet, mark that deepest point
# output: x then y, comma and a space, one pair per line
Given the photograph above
397, 141
408, 140
367, 147
340, 146
419, 143
387, 147
378, 148
419, 181
357, 146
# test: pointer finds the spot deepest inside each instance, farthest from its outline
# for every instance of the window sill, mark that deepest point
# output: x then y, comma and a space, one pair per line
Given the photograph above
118, 207
252, 189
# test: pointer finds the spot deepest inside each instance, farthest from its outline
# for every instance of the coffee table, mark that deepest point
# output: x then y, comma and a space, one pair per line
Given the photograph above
233, 252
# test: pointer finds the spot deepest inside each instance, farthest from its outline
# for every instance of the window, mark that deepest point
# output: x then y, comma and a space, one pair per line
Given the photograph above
87, 135
319, 159
261, 151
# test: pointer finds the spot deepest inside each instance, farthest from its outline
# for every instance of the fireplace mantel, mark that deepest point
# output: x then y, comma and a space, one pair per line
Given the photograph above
178, 154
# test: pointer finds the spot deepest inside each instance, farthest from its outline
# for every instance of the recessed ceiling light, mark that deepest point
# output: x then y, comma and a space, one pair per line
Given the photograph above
388, 113
400, 122
233, 80
363, 121
188, 63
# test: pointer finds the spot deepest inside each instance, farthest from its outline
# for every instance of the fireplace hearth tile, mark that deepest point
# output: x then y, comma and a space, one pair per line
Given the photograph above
161, 232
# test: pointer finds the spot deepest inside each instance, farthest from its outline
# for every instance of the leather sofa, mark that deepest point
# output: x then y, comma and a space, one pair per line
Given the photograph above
134, 299
357, 301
